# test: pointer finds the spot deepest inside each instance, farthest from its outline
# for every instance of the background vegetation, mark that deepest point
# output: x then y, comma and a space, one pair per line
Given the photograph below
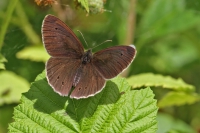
165, 33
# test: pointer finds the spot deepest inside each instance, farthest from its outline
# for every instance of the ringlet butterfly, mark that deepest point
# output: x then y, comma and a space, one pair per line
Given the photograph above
69, 67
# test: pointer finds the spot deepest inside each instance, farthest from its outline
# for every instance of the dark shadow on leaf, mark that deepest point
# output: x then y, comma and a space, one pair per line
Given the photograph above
47, 100
77, 109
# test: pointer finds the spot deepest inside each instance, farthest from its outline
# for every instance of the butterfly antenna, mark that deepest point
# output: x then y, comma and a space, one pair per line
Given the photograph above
102, 43
83, 37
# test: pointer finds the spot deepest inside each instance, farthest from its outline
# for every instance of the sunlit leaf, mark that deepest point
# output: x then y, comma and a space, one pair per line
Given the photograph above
84, 3
34, 53
2, 61
11, 87
150, 79
178, 98
116, 109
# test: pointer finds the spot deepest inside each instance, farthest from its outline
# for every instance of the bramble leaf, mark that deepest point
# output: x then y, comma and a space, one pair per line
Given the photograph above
11, 87
150, 79
116, 109
182, 93
178, 98
33, 53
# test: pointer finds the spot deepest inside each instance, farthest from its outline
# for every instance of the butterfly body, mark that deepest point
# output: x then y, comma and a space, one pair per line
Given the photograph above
87, 57
70, 67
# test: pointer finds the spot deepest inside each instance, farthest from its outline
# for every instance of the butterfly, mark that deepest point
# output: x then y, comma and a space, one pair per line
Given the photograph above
72, 71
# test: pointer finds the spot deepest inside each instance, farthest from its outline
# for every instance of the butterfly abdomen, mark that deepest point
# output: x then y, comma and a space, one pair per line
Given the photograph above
77, 77
86, 58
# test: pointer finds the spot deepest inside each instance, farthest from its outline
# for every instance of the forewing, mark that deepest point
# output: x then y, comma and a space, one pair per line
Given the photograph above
90, 83
61, 72
112, 61
59, 40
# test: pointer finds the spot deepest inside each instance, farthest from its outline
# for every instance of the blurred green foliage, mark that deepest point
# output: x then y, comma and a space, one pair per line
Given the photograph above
165, 33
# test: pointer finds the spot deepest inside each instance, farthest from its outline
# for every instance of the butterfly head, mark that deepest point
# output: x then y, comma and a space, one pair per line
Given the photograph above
86, 58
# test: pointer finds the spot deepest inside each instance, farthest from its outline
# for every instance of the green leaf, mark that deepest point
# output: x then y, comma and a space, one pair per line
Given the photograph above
178, 98
116, 109
2, 60
183, 93
150, 79
84, 3
34, 53
11, 87
167, 123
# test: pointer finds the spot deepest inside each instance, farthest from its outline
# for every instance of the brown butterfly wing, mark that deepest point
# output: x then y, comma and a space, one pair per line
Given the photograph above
90, 83
61, 73
112, 61
66, 51
59, 40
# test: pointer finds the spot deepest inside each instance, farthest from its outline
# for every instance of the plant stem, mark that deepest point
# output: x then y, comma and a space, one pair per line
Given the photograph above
5, 24
131, 28
131, 23
26, 26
